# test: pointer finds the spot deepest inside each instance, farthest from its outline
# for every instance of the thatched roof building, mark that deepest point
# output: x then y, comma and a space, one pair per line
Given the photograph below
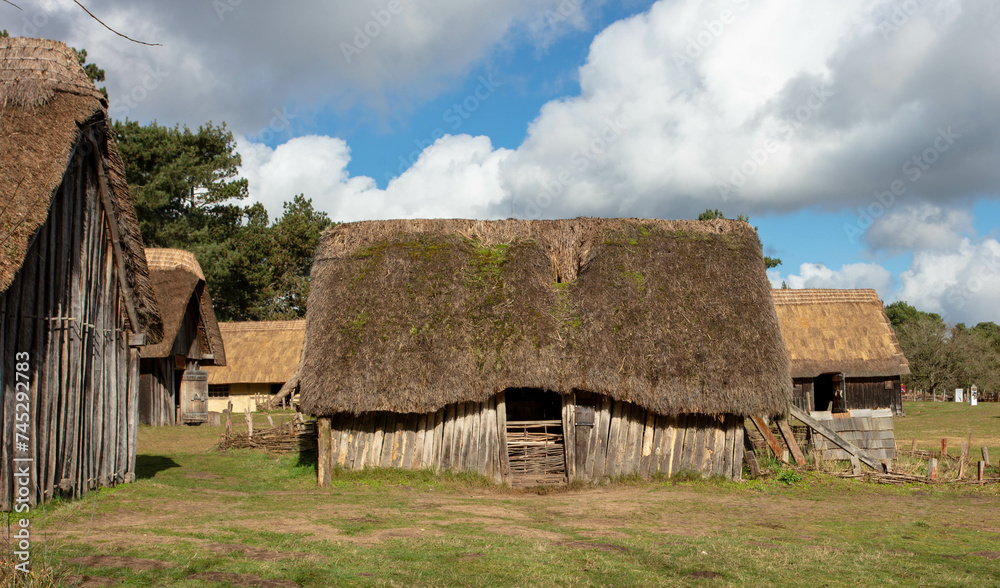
191, 340
260, 357
842, 348
74, 285
662, 318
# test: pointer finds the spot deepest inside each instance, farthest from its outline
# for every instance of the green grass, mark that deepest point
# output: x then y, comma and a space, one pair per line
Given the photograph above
929, 422
388, 527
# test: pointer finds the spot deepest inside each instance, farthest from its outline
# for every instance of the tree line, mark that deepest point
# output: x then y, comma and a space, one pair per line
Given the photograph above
942, 358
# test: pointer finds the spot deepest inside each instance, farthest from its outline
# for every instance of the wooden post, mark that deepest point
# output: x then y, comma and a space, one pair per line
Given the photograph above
965, 451
944, 448
931, 469
324, 459
981, 472
249, 419
888, 465
229, 419
856, 465
750, 458
986, 456
793, 446
269, 421
767, 434
913, 446
961, 469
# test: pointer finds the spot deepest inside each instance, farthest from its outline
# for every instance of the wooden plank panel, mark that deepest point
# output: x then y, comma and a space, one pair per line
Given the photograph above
502, 436
388, 441
399, 441
409, 441
738, 449
652, 431
569, 434
698, 446
416, 462
664, 447
448, 436
473, 417
457, 446
599, 444
324, 460
346, 435
488, 428
613, 466
636, 430
437, 439
719, 458
727, 450
680, 440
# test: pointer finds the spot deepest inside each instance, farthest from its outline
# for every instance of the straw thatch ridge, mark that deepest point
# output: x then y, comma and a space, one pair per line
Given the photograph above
264, 352
410, 316
844, 331
177, 278
46, 103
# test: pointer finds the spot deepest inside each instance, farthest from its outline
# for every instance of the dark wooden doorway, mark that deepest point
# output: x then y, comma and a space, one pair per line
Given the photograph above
535, 441
829, 393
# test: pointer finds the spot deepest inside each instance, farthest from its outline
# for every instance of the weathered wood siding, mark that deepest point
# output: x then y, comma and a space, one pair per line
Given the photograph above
613, 439
66, 309
875, 393
868, 429
157, 391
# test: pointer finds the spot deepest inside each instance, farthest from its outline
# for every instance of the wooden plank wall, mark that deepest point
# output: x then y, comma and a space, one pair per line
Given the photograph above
625, 439
868, 429
158, 386
66, 309
872, 393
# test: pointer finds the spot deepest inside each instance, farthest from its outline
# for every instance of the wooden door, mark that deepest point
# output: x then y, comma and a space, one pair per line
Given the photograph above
194, 397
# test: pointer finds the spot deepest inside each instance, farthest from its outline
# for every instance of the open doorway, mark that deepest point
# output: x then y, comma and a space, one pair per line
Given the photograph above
828, 393
535, 441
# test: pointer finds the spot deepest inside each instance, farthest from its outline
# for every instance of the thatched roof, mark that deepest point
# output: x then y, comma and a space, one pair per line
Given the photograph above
264, 352
177, 279
843, 331
409, 316
46, 100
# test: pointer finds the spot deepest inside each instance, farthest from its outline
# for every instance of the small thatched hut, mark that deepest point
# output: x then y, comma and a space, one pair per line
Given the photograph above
843, 352
260, 357
74, 289
174, 388
540, 351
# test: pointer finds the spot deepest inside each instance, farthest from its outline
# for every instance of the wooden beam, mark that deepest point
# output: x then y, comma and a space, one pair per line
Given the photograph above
823, 430
764, 430
793, 446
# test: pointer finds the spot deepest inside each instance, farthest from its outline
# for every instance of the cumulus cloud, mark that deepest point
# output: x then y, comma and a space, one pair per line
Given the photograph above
238, 61
854, 275
457, 176
923, 227
962, 284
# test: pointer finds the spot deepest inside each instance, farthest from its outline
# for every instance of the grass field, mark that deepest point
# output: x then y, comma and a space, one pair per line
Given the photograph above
197, 517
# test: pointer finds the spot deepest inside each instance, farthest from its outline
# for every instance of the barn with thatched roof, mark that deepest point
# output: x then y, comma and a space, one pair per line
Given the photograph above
843, 352
846, 366
174, 388
540, 351
74, 288
260, 357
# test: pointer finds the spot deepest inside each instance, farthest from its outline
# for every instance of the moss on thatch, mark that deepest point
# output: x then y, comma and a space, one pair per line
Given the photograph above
409, 316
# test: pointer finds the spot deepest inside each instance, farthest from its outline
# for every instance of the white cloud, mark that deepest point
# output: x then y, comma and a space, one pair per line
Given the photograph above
854, 275
457, 176
919, 228
962, 284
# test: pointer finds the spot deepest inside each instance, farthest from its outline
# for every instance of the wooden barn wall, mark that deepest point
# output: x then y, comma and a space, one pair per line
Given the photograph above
157, 392
803, 396
875, 393
869, 429
65, 309
623, 439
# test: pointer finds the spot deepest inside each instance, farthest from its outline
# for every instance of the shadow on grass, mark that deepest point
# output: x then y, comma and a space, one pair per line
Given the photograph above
147, 466
308, 459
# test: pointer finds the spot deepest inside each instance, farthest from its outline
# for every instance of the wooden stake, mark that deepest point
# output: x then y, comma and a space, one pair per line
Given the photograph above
270, 421
856, 465
944, 448
913, 446
986, 456
981, 472
249, 419
932, 469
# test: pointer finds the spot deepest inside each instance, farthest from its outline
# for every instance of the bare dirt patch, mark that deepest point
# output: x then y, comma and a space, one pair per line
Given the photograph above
705, 575
243, 580
485, 510
987, 554
116, 561
605, 534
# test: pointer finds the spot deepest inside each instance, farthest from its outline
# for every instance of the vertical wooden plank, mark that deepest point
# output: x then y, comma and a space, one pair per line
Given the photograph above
324, 460
664, 437
437, 439
612, 467
373, 457
502, 436
727, 450
474, 414
698, 447
569, 434
410, 440
680, 441
459, 436
399, 441
448, 437
366, 440
738, 449
482, 434
388, 439
595, 445
418, 444
637, 430
492, 445
346, 436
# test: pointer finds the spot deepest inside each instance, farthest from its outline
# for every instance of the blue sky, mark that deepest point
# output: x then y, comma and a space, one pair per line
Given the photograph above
804, 116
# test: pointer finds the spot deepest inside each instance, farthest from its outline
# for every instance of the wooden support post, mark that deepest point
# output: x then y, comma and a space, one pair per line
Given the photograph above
856, 465
932, 469
961, 469
229, 419
888, 465
249, 419
944, 448
965, 451
750, 457
324, 459
986, 456
913, 446
767, 434
270, 421
981, 472
793, 446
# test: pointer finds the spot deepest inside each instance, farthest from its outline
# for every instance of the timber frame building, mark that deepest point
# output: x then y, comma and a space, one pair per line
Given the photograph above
173, 388
74, 288
537, 352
